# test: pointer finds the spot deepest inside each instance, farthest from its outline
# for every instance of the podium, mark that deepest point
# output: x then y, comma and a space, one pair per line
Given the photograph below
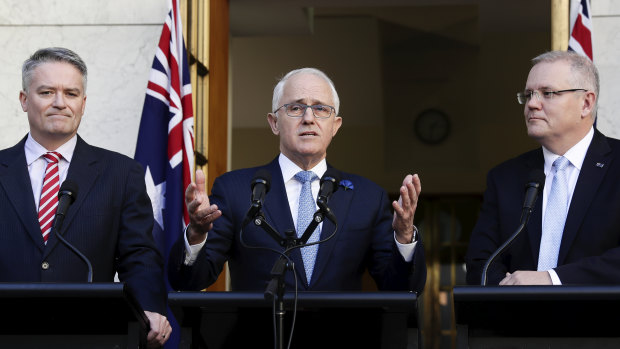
324, 320
537, 316
70, 315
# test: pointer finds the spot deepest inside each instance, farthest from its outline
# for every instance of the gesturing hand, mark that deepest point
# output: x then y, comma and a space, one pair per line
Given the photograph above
404, 208
201, 213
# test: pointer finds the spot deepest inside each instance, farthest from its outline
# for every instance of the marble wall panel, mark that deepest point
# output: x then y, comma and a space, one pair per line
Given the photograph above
117, 45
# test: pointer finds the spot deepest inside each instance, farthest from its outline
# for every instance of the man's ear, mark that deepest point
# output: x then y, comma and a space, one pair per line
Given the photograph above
588, 104
23, 99
84, 105
273, 122
337, 124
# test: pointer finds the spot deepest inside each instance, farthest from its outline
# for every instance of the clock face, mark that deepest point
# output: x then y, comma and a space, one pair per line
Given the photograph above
432, 126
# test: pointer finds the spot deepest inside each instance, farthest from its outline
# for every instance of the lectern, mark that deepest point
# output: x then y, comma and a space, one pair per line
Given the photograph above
324, 320
537, 316
74, 315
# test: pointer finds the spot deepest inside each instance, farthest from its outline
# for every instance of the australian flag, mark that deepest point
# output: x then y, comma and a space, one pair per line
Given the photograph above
580, 39
165, 145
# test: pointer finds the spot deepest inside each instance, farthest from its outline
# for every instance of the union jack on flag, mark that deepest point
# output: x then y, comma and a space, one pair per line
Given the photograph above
580, 39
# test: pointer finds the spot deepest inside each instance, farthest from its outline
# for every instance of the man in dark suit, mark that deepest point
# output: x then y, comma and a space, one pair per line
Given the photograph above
111, 219
305, 117
573, 235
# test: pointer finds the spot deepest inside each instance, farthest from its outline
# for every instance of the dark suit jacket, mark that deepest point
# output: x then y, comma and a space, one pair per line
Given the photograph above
110, 222
364, 240
590, 248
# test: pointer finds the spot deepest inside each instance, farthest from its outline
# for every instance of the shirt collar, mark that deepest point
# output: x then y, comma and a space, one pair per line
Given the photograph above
290, 169
576, 155
34, 150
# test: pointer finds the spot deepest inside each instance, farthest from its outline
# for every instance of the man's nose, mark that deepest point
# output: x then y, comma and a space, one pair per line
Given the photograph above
308, 115
59, 101
534, 101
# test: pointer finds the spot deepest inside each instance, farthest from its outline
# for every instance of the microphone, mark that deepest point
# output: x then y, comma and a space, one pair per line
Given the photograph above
66, 196
260, 186
533, 188
329, 184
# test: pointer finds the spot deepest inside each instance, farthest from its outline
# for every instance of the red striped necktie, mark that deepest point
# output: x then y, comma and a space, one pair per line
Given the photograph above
49, 194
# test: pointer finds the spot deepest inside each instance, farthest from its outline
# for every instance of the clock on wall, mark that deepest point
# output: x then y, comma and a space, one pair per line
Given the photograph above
432, 126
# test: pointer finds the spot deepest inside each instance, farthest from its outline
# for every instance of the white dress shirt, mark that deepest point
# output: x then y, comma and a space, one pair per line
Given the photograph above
37, 164
575, 155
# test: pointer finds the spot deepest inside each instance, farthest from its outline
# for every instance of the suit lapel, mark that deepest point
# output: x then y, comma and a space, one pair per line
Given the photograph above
534, 226
339, 203
84, 172
590, 177
15, 181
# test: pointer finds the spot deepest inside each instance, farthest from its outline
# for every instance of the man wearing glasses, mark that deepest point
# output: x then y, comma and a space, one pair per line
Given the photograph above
573, 235
305, 118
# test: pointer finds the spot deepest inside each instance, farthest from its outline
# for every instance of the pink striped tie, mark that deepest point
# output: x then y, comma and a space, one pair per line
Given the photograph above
49, 194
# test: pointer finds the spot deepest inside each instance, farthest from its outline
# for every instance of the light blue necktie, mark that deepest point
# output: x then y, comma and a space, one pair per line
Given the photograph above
555, 217
307, 207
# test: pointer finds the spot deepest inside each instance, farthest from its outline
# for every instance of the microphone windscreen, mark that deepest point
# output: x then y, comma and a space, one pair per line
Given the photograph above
333, 173
537, 176
333, 176
68, 187
263, 176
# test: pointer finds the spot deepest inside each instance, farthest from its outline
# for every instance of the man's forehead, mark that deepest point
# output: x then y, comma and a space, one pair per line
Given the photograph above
52, 73
305, 87
548, 74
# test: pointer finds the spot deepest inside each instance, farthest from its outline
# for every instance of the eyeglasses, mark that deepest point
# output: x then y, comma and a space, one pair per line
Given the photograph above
524, 97
296, 110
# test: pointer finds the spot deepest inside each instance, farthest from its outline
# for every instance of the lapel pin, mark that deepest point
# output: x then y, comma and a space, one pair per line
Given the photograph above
600, 164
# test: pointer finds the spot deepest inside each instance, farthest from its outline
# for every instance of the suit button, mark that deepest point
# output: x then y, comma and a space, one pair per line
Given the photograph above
45, 265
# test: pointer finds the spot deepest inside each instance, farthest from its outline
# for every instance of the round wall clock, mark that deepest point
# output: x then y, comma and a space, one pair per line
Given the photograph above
432, 126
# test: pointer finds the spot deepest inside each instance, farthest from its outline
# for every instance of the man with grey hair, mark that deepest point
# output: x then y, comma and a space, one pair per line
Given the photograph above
573, 234
369, 237
111, 219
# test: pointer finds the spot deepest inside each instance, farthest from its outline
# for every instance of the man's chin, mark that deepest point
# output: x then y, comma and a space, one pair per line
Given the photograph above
535, 133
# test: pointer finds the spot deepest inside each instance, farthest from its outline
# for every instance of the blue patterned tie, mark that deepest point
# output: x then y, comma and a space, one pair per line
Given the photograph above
307, 207
555, 217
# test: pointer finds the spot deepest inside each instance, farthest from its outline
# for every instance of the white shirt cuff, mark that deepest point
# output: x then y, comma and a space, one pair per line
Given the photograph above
407, 250
555, 279
191, 251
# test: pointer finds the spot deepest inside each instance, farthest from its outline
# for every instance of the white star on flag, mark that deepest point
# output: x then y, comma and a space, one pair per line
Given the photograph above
157, 194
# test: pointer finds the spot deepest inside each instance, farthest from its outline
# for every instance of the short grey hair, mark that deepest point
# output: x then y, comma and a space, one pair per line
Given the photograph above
584, 72
278, 90
52, 54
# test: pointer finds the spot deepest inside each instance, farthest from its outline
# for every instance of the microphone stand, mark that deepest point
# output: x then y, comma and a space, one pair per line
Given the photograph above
78, 253
525, 217
276, 287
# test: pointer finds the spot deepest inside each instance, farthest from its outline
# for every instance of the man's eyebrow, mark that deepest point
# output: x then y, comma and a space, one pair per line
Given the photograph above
312, 102
48, 87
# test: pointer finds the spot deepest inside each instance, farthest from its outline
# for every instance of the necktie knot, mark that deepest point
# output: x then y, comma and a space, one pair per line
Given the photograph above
560, 163
306, 176
52, 157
